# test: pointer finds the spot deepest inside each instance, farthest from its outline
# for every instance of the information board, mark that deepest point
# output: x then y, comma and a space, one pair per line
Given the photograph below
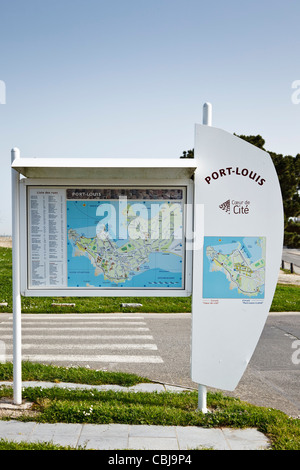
211, 226
106, 238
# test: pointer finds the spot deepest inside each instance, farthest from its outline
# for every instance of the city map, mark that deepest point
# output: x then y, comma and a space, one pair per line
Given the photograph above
133, 243
234, 267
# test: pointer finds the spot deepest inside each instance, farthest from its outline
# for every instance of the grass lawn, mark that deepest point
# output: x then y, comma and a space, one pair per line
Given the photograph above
92, 406
79, 375
10, 445
286, 298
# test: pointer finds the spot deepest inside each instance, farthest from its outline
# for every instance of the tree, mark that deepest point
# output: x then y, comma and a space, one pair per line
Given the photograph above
256, 140
188, 154
288, 171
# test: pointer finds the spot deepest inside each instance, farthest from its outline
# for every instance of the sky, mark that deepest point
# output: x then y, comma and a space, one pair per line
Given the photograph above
128, 78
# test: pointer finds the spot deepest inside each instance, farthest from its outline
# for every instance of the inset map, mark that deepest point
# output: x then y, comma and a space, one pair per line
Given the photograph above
234, 267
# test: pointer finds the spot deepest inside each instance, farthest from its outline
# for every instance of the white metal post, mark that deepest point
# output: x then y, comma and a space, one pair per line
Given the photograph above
17, 338
207, 114
202, 391
202, 396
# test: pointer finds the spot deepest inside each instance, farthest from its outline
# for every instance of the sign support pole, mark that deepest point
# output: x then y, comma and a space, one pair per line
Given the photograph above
207, 114
17, 338
202, 391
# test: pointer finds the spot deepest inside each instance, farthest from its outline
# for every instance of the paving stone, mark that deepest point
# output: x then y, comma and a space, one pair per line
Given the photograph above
192, 437
15, 430
104, 436
153, 443
152, 431
245, 439
63, 434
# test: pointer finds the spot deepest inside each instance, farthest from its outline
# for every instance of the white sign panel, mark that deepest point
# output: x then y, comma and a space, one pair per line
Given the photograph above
236, 265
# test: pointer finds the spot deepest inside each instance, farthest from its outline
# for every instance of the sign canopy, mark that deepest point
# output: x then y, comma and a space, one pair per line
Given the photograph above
104, 168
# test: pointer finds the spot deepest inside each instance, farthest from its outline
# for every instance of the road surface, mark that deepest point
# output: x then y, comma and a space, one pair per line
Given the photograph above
291, 255
157, 346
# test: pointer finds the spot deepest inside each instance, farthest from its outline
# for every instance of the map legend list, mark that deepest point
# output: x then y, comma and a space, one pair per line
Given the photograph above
47, 237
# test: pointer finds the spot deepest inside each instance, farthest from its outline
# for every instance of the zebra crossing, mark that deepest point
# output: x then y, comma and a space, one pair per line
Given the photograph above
82, 339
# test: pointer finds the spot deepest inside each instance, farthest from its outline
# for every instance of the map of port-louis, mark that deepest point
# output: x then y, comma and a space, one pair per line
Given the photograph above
234, 267
137, 243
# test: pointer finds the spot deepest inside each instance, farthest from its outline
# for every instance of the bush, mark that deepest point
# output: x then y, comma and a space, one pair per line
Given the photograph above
291, 239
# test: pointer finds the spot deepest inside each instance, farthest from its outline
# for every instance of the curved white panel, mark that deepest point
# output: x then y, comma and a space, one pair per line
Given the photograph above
236, 264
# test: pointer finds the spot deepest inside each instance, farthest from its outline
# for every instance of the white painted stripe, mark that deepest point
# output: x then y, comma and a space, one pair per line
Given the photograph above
71, 337
51, 323
74, 328
79, 316
94, 347
82, 358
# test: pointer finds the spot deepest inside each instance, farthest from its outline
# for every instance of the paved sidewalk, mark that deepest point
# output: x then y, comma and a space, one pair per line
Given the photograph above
137, 437
124, 436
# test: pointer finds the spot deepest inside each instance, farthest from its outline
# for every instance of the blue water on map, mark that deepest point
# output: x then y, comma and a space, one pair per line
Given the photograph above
162, 270
81, 273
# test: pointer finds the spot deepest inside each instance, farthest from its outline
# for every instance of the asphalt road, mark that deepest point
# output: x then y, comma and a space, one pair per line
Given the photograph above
272, 378
158, 346
291, 255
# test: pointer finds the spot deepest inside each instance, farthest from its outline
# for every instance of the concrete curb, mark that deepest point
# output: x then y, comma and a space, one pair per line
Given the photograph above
142, 387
